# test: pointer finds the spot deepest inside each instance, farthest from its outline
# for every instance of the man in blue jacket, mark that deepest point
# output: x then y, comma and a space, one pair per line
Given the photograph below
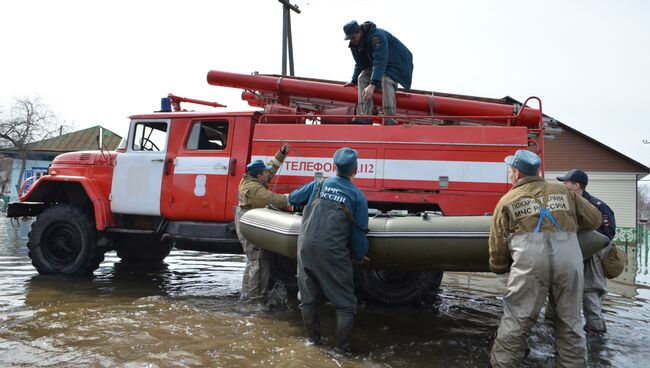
332, 234
381, 61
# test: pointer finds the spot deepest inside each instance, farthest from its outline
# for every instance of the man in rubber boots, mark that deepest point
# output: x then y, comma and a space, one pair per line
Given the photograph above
254, 193
595, 280
333, 230
381, 61
535, 226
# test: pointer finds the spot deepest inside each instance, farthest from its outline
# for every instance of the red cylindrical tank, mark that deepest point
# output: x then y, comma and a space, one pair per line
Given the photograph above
433, 105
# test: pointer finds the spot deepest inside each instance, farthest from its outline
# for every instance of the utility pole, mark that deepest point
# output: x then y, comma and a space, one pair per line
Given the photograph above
287, 44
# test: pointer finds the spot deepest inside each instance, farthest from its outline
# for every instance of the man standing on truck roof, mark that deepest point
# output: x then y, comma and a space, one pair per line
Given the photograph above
333, 230
254, 193
595, 280
546, 261
380, 61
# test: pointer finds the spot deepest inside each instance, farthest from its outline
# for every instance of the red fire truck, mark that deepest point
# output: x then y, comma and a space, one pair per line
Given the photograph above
173, 180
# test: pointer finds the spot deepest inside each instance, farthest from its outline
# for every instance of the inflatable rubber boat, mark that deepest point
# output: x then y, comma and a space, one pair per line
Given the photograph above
423, 242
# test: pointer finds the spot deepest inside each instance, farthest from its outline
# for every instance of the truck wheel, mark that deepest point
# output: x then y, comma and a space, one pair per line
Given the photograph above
63, 239
143, 250
397, 287
284, 269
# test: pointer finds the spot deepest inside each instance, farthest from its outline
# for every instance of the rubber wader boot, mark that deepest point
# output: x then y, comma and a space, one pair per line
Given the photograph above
362, 121
344, 323
312, 324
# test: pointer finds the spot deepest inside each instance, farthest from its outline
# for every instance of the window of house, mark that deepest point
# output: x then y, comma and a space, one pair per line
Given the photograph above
208, 135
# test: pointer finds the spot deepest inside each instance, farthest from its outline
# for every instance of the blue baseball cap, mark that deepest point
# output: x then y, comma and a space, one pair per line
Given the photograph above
525, 161
350, 28
345, 160
576, 176
257, 167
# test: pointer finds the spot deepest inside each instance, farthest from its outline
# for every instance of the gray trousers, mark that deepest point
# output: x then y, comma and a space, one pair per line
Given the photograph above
595, 291
388, 99
545, 265
255, 282
324, 263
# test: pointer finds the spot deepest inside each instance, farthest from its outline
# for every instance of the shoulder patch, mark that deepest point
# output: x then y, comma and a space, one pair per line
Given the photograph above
605, 220
376, 42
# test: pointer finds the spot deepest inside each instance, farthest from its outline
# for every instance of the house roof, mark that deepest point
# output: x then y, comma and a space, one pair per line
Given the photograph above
80, 140
552, 122
641, 167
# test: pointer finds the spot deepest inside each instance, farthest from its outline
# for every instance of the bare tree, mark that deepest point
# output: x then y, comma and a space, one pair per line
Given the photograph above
27, 120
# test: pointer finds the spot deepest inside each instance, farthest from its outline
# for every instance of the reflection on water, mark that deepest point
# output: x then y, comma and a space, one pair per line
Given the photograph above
186, 312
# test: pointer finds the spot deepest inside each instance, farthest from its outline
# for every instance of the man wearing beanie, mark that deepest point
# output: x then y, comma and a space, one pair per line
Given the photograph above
534, 233
380, 61
254, 193
332, 235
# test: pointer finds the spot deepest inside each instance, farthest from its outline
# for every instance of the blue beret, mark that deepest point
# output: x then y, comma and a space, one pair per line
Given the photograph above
576, 176
525, 161
345, 160
257, 167
350, 28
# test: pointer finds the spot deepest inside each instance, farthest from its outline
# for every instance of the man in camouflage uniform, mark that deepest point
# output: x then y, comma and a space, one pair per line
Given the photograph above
595, 280
254, 193
535, 226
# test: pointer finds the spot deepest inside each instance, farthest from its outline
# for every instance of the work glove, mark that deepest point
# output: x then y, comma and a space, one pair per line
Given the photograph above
284, 149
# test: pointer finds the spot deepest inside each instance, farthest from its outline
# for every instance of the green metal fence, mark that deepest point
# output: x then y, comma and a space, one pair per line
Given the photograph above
634, 235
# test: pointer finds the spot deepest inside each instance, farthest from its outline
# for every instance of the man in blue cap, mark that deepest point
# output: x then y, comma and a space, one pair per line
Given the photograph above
380, 61
595, 280
254, 193
534, 234
332, 235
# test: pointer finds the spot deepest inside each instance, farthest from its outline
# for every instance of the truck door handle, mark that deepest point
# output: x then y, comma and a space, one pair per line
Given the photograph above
157, 160
168, 164
233, 161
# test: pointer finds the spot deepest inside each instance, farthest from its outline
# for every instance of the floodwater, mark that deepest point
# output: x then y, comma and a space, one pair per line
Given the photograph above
186, 313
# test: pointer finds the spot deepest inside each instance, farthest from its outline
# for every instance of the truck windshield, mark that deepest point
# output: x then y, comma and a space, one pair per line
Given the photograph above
150, 136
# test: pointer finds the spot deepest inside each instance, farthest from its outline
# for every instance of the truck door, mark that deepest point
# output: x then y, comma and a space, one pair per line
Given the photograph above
197, 188
137, 177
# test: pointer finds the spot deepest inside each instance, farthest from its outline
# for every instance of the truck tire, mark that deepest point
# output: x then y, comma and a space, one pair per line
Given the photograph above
284, 269
143, 250
63, 240
397, 287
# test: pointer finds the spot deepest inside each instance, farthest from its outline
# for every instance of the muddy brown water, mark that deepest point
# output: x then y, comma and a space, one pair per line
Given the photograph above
186, 313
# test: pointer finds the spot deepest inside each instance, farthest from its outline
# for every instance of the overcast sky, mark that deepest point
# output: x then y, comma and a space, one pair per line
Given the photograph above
97, 62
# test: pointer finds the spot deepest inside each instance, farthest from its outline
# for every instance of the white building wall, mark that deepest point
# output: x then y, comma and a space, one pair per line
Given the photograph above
618, 190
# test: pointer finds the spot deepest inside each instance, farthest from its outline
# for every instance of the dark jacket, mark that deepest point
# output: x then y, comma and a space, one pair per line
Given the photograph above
608, 223
384, 53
